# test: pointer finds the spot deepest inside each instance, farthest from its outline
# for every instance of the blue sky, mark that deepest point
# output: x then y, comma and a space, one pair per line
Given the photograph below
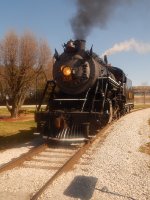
50, 20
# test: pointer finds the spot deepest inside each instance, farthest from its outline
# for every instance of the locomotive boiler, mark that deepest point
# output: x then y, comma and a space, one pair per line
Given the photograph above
85, 94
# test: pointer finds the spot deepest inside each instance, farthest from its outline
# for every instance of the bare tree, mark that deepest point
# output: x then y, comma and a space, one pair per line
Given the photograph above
22, 58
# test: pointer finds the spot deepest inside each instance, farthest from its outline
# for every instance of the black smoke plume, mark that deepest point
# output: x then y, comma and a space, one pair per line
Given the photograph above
92, 13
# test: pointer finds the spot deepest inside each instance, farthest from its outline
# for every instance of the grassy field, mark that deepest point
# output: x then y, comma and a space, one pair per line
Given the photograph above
8, 128
4, 112
13, 132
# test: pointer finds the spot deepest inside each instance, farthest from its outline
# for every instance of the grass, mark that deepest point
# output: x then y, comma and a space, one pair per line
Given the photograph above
141, 106
26, 110
16, 131
145, 148
13, 133
4, 112
11, 128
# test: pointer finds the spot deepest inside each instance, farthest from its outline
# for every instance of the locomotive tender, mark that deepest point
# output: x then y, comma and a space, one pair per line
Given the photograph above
85, 93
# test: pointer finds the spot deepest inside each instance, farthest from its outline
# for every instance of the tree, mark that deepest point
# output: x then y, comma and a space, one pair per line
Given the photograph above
22, 58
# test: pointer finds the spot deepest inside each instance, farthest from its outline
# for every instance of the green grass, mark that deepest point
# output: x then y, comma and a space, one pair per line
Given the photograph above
13, 133
11, 128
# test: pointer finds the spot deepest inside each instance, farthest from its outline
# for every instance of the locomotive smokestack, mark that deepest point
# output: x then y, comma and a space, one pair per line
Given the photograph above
80, 44
105, 59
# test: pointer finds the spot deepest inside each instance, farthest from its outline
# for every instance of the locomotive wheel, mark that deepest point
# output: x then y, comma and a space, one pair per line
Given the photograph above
108, 112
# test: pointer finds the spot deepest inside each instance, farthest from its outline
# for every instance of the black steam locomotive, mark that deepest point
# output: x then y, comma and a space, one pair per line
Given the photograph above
85, 94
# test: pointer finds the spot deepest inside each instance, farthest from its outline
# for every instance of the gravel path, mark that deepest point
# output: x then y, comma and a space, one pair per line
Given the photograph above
116, 170
9, 154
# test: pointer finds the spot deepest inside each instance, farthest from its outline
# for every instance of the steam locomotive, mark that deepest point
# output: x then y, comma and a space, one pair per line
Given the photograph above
85, 94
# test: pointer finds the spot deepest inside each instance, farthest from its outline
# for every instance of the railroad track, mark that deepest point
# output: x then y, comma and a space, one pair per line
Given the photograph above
68, 165
55, 159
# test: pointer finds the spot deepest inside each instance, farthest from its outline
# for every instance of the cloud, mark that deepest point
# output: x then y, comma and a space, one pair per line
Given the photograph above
129, 45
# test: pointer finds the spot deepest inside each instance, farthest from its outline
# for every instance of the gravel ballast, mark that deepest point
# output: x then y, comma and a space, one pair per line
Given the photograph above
115, 170
10, 154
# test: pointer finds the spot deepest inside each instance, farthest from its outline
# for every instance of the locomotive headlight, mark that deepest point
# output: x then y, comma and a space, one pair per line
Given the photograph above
66, 71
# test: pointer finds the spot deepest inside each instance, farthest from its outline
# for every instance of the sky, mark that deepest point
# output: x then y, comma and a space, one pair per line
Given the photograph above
50, 20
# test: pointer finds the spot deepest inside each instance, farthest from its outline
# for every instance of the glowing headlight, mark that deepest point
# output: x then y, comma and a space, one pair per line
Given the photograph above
66, 71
